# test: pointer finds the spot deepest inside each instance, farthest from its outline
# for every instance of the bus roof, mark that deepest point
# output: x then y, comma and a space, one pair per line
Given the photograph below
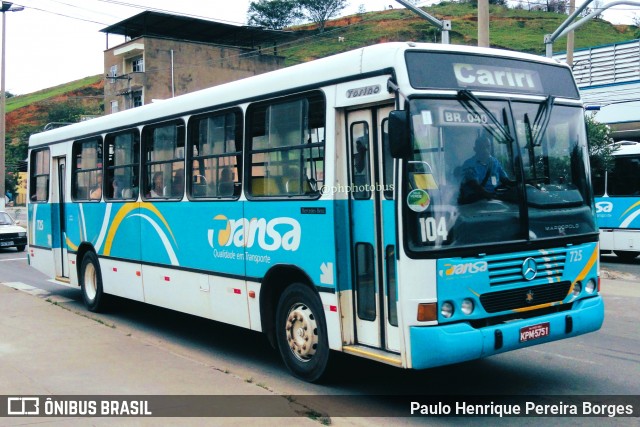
627, 148
370, 60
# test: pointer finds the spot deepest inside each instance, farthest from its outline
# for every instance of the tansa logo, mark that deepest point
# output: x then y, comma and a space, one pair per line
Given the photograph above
466, 268
278, 233
604, 207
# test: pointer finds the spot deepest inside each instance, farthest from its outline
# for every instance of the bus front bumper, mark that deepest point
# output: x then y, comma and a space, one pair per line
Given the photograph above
460, 342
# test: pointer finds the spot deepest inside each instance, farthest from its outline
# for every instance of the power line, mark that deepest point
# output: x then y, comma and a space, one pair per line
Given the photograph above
61, 14
137, 6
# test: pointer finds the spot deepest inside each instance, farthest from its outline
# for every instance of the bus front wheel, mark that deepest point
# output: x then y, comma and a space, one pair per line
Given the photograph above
302, 333
91, 282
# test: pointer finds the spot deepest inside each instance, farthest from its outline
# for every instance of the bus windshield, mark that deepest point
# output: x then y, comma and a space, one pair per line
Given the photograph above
489, 172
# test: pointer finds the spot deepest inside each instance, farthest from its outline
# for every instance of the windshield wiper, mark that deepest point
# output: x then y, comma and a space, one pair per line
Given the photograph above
535, 132
468, 100
540, 123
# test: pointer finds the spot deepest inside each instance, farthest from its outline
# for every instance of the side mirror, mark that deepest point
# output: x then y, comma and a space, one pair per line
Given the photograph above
399, 140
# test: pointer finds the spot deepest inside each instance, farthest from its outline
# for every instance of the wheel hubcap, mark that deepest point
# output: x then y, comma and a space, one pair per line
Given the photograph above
302, 332
90, 285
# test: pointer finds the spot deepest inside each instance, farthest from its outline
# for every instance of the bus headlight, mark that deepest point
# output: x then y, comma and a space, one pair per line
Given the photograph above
590, 287
467, 306
446, 310
577, 288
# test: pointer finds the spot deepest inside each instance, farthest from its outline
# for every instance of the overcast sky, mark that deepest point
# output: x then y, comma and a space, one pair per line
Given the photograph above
56, 41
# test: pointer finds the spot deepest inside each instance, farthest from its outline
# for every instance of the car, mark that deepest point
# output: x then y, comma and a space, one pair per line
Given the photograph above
11, 233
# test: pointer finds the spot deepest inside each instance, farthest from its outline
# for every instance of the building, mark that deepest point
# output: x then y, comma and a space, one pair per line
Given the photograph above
168, 55
609, 77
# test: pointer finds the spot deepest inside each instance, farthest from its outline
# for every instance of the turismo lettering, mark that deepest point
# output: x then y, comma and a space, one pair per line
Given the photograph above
363, 91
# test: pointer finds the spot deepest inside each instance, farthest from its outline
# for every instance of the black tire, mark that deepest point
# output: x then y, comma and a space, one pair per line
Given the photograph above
90, 279
20, 248
626, 255
301, 333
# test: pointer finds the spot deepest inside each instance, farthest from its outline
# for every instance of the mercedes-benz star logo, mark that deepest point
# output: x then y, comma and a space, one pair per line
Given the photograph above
529, 297
529, 269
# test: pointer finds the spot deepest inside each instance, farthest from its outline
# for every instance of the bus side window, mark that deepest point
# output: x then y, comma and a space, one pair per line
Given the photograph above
122, 160
214, 155
39, 180
86, 170
163, 167
287, 147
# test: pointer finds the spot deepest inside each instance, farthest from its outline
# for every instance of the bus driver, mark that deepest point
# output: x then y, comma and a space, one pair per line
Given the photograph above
481, 174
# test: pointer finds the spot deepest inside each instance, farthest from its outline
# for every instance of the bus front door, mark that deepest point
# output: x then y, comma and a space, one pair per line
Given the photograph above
373, 250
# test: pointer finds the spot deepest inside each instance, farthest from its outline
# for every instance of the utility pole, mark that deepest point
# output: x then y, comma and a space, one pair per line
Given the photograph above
568, 25
483, 23
444, 26
6, 7
571, 36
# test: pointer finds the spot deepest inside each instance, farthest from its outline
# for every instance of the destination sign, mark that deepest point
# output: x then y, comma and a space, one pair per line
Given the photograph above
456, 71
496, 77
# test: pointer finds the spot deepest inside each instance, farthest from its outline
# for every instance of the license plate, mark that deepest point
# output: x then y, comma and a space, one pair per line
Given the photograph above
9, 243
534, 332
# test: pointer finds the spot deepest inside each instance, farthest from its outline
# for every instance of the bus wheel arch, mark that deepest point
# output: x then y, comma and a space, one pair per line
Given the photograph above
90, 278
293, 318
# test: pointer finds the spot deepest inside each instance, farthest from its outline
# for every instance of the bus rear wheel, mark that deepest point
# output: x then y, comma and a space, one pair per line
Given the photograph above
302, 333
626, 255
91, 283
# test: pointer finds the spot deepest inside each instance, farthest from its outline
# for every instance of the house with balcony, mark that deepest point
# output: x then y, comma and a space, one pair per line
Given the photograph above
166, 55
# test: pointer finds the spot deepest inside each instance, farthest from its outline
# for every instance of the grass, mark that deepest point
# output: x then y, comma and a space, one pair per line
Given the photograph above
95, 319
23, 100
511, 29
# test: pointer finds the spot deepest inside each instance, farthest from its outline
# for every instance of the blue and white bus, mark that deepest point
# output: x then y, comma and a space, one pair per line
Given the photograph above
321, 204
618, 203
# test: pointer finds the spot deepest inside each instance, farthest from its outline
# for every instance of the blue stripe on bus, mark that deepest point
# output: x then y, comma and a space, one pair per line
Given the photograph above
229, 238
618, 212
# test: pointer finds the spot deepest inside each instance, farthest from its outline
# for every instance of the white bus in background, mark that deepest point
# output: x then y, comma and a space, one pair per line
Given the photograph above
618, 203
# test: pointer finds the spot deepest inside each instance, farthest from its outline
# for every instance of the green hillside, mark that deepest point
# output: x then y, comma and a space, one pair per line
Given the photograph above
23, 100
512, 29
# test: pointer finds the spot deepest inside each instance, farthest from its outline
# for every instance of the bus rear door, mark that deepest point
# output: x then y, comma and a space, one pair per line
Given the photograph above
59, 244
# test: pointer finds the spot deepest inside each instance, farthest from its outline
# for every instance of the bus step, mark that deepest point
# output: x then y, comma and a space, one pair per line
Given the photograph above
374, 354
64, 280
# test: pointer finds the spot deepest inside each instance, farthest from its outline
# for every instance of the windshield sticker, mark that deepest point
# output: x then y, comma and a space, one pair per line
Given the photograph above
426, 117
418, 200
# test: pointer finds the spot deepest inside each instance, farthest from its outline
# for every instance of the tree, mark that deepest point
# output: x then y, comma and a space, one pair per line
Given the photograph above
67, 112
557, 6
274, 14
601, 145
474, 3
320, 11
